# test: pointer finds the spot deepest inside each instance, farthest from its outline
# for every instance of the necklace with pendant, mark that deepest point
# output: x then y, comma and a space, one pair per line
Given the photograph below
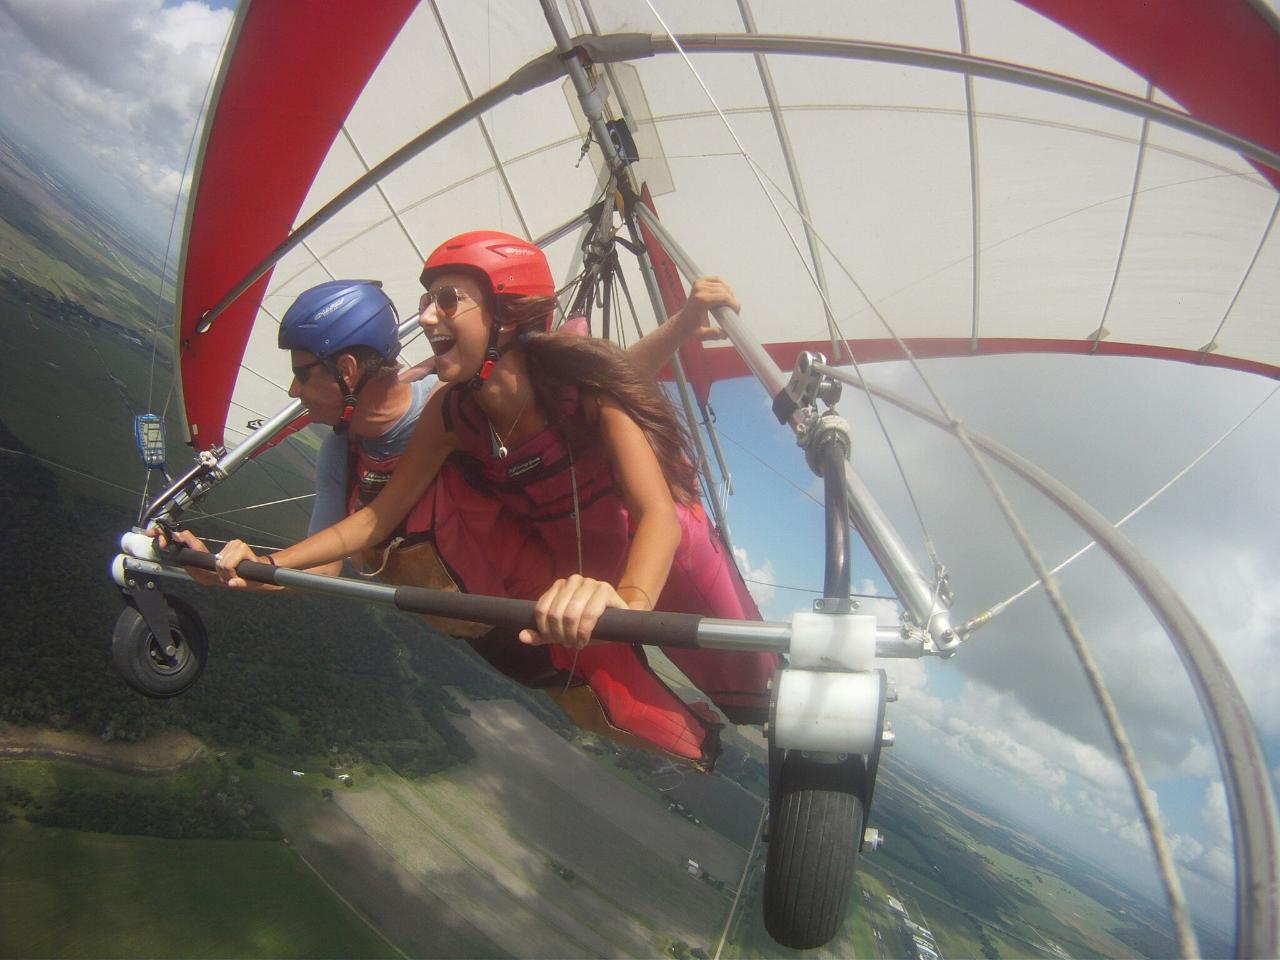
500, 443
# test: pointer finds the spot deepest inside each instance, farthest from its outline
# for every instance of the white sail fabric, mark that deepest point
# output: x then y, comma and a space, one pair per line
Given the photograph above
1085, 223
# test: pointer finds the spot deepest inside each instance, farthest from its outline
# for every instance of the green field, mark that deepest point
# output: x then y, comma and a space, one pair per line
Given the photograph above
45, 779
70, 894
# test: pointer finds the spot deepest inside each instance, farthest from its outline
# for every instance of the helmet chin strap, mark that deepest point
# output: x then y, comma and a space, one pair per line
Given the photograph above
351, 396
492, 354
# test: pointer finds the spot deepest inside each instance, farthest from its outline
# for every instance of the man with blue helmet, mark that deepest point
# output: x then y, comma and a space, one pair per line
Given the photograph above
343, 344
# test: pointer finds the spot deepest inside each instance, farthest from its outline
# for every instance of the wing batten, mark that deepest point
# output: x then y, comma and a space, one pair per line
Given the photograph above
1220, 59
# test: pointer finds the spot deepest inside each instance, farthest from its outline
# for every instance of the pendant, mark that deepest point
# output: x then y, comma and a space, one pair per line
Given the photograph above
502, 452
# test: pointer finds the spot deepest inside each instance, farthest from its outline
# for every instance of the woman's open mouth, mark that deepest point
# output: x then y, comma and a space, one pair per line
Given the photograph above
441, 343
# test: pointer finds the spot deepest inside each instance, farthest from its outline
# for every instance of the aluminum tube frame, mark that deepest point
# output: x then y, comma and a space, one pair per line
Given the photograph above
718, 511
916, 593
1250, 802
711, 634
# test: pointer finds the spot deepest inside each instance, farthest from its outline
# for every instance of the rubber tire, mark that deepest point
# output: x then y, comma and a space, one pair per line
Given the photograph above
815, 829
134, 651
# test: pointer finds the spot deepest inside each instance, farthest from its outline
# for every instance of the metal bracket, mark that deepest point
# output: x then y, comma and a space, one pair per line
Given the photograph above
805, 388
836, 605
873, 759
144, 593
187, 489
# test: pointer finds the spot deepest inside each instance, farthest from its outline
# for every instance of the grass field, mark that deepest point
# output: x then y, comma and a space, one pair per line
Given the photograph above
481, 851
44, 779
70, 894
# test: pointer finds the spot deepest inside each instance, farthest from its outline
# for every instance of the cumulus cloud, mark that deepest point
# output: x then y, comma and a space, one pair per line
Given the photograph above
1207, 535
1211, 858
884, 609
119, 82
998, 732
1214, 812
761, 581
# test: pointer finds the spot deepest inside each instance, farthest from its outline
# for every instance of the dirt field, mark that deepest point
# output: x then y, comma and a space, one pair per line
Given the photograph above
166, 752
475, 848
395, 901
718, 802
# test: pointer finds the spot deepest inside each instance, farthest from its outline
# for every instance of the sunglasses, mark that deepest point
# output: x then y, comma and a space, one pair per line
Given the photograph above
445, 298
300, 371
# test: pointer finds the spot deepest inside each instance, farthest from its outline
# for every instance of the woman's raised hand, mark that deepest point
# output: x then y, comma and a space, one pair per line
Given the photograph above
706, 294
568, 612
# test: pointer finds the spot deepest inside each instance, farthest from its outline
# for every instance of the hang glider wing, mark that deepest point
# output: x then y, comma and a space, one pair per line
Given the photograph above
1021, 177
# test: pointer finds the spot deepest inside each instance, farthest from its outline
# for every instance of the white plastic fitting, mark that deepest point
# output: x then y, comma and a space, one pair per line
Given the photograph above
827, 712
139, 546
827, 641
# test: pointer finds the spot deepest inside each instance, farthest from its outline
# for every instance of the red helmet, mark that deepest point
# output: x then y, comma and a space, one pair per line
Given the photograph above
513, 266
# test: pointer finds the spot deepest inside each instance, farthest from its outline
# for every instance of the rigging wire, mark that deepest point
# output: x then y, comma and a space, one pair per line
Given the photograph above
198, 514
254, 506
278, 484
818, 593
984, 618
62, 466
1143, 796
769, 466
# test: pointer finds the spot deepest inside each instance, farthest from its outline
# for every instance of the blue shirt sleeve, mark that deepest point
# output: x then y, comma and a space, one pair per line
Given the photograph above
331, 484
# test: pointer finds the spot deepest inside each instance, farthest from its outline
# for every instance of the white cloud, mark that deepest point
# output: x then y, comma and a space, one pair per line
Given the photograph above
885, 609
1211, 856
999, 730
1200, 761
1214, 812
993, 731
117, 84
761, 581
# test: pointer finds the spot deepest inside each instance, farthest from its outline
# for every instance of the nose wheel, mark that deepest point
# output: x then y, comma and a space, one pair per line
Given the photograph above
160, 667
815, 828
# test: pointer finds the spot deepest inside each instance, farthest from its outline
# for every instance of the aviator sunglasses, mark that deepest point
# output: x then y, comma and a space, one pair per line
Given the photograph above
445, 298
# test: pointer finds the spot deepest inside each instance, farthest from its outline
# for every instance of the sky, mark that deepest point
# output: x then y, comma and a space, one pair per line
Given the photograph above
113, 89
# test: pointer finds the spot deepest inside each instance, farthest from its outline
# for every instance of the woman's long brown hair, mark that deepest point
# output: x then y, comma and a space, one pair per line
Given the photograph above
559, 360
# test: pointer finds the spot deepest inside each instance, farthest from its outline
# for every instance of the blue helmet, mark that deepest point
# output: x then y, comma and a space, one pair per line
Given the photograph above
338, 315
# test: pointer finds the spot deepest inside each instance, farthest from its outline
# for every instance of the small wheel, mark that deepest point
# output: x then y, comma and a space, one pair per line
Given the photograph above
142, 662
815, 828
